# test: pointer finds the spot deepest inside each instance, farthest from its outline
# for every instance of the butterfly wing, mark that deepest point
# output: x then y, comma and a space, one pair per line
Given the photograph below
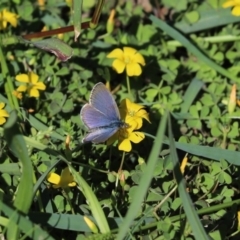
92, 118
100, 135
103, 101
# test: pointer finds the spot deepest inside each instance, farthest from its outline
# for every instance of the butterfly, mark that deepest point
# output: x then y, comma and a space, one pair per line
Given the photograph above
101, 115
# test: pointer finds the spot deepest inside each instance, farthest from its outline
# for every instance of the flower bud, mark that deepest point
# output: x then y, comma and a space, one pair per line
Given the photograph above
91, 224
110, 21
232, 99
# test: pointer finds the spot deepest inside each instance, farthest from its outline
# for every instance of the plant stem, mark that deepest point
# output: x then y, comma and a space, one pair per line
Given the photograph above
129, 88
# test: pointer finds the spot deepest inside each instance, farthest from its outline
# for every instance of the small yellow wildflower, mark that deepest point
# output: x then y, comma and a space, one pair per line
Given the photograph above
235, 4
130, 111
7, 17
132, 114
127, 58
3, 113
65, 180
31, 84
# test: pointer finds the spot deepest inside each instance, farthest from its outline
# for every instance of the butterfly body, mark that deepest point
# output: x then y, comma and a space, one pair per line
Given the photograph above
101, 115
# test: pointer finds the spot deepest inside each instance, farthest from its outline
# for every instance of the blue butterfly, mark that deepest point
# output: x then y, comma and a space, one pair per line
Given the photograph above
101, 115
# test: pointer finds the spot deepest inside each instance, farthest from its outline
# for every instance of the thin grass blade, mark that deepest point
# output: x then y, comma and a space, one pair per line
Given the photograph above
24, 194
145, 180
193, 219
191, 47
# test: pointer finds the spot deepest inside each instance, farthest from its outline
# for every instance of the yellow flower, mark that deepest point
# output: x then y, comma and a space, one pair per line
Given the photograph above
3, 113
235, 4
7, 17
127, 58
65, 180
32, 86
132, 114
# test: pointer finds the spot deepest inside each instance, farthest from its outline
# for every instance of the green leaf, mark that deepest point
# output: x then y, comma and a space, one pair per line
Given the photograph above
192, 16
53, 45
77, 17
24, 195
33, 231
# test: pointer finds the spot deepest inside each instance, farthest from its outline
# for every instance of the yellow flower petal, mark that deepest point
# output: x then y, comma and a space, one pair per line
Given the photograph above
33, 92
40, 86
22, 88
138, 58
2, 120
228, 4
6, 16
118, 65
3, 113
143, 114
134, 122
72, 184
33, 78
136, 137
133, 69
53, 178
129, 108
22, 78
128, 51
125, 145
66, 178
116, 53
236, 11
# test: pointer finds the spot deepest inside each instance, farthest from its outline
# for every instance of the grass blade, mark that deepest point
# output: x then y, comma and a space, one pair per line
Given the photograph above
208, 19
33, 231
145, 180
77, 17
191, 47
93, 202
193, 219
24, 194
191, 93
